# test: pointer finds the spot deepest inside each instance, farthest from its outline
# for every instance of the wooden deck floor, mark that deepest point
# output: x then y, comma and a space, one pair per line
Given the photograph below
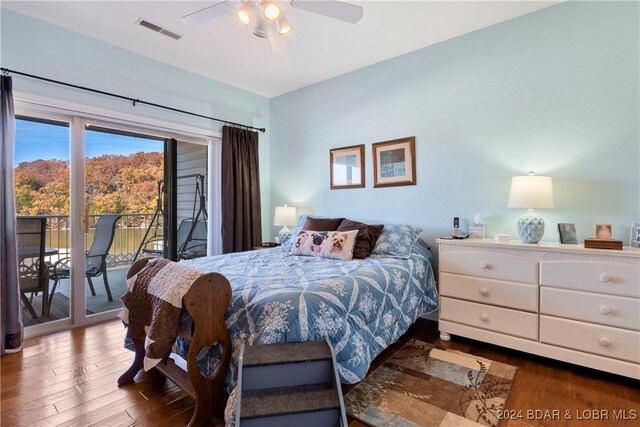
69, 379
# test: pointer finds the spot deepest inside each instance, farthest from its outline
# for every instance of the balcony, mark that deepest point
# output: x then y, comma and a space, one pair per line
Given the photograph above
129, 233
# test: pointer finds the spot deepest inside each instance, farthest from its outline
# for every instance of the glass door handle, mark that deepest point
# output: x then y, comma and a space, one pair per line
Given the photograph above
84, 221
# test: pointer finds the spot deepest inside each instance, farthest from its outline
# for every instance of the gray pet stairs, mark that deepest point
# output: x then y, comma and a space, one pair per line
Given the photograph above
292, 384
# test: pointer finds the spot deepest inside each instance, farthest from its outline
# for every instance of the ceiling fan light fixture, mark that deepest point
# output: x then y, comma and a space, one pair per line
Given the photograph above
244, 15
260, 29
272, 11
284, 27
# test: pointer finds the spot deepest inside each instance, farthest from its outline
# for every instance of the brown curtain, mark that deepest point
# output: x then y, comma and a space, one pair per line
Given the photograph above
241, 221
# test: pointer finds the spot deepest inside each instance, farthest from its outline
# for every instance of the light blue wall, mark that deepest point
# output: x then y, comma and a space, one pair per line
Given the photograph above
555, 91
36, 47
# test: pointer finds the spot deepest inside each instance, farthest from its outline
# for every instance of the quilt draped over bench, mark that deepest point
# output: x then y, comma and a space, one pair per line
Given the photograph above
152, 306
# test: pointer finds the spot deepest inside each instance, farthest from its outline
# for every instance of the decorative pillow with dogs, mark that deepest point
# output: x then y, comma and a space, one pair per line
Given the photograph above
325, 244
302, 220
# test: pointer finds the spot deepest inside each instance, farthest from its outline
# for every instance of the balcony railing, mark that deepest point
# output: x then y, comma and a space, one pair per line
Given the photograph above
129, 233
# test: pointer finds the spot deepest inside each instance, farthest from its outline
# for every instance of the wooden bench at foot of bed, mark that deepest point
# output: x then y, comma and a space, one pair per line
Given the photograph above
206, 302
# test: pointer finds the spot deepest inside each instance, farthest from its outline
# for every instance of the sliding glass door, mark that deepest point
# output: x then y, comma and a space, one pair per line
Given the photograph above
105, 195
124, 177
42, 197
191, 200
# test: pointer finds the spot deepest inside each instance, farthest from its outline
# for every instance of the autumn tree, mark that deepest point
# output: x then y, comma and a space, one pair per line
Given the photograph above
114, 184
42, 187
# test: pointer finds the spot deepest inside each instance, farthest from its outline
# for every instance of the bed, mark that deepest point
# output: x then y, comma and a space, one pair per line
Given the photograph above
362, 306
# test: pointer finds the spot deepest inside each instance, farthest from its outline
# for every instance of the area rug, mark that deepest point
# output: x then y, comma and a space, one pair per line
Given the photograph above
423, 385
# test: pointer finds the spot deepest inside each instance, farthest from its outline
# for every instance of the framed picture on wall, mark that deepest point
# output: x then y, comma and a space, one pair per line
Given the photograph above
346, 165
394, 162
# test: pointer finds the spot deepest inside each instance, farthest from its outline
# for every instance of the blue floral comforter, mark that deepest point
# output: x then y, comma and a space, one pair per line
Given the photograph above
362, 306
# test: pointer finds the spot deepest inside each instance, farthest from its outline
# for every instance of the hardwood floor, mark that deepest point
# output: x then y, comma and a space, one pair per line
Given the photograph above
69, 379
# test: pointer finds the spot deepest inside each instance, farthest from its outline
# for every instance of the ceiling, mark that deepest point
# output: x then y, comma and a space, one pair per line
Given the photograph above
318, 48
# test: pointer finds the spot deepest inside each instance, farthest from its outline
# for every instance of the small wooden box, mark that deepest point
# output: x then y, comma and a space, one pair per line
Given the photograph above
603, 244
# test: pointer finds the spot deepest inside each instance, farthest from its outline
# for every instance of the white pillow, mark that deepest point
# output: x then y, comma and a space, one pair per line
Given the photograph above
325, 244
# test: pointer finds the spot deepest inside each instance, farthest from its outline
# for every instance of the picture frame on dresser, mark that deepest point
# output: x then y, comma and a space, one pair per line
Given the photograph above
603, 231
346, 167
634, 239
567, 233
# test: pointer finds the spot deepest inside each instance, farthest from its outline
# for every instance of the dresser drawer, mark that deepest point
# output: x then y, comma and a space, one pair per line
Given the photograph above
488, 291
613, 279
603, 340
495, 319
490, 265
603, 309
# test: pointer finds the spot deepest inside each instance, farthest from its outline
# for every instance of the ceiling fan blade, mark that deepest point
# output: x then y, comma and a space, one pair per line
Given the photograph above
208, 13
277, 41
332, 8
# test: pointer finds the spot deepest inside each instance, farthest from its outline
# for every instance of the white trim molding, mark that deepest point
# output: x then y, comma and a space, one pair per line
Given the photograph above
80, 115
171, 129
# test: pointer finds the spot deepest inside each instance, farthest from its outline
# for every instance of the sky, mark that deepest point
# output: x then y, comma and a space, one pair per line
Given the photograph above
48, 141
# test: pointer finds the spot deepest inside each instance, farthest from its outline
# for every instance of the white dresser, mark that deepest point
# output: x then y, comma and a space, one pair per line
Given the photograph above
559, 301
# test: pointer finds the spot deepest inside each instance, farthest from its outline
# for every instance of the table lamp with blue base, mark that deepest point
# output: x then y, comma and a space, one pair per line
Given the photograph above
284, 216
531, 192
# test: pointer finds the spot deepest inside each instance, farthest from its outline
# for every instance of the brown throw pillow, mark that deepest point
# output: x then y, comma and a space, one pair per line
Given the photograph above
322, 224
365, 239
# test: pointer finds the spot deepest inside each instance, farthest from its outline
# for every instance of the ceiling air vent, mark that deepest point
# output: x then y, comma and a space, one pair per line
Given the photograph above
158, 29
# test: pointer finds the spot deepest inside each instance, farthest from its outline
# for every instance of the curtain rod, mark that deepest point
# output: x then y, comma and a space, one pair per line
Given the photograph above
135, 101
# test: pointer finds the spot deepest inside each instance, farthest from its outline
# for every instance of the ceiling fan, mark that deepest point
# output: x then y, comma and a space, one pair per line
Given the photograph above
268, 18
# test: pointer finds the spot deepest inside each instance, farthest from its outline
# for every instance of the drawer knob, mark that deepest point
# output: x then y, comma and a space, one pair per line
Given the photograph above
604, 342
605, 309
604, 278
483, 291
485, 266
484, 317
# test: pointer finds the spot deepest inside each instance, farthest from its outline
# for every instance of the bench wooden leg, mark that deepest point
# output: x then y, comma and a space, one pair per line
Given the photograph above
206, 302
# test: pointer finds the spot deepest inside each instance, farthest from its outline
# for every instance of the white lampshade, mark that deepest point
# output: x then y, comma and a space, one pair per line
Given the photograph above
531, 192
285, 215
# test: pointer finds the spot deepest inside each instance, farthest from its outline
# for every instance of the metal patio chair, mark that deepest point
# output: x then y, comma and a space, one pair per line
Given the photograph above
191, 241
96, 257
32, 270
